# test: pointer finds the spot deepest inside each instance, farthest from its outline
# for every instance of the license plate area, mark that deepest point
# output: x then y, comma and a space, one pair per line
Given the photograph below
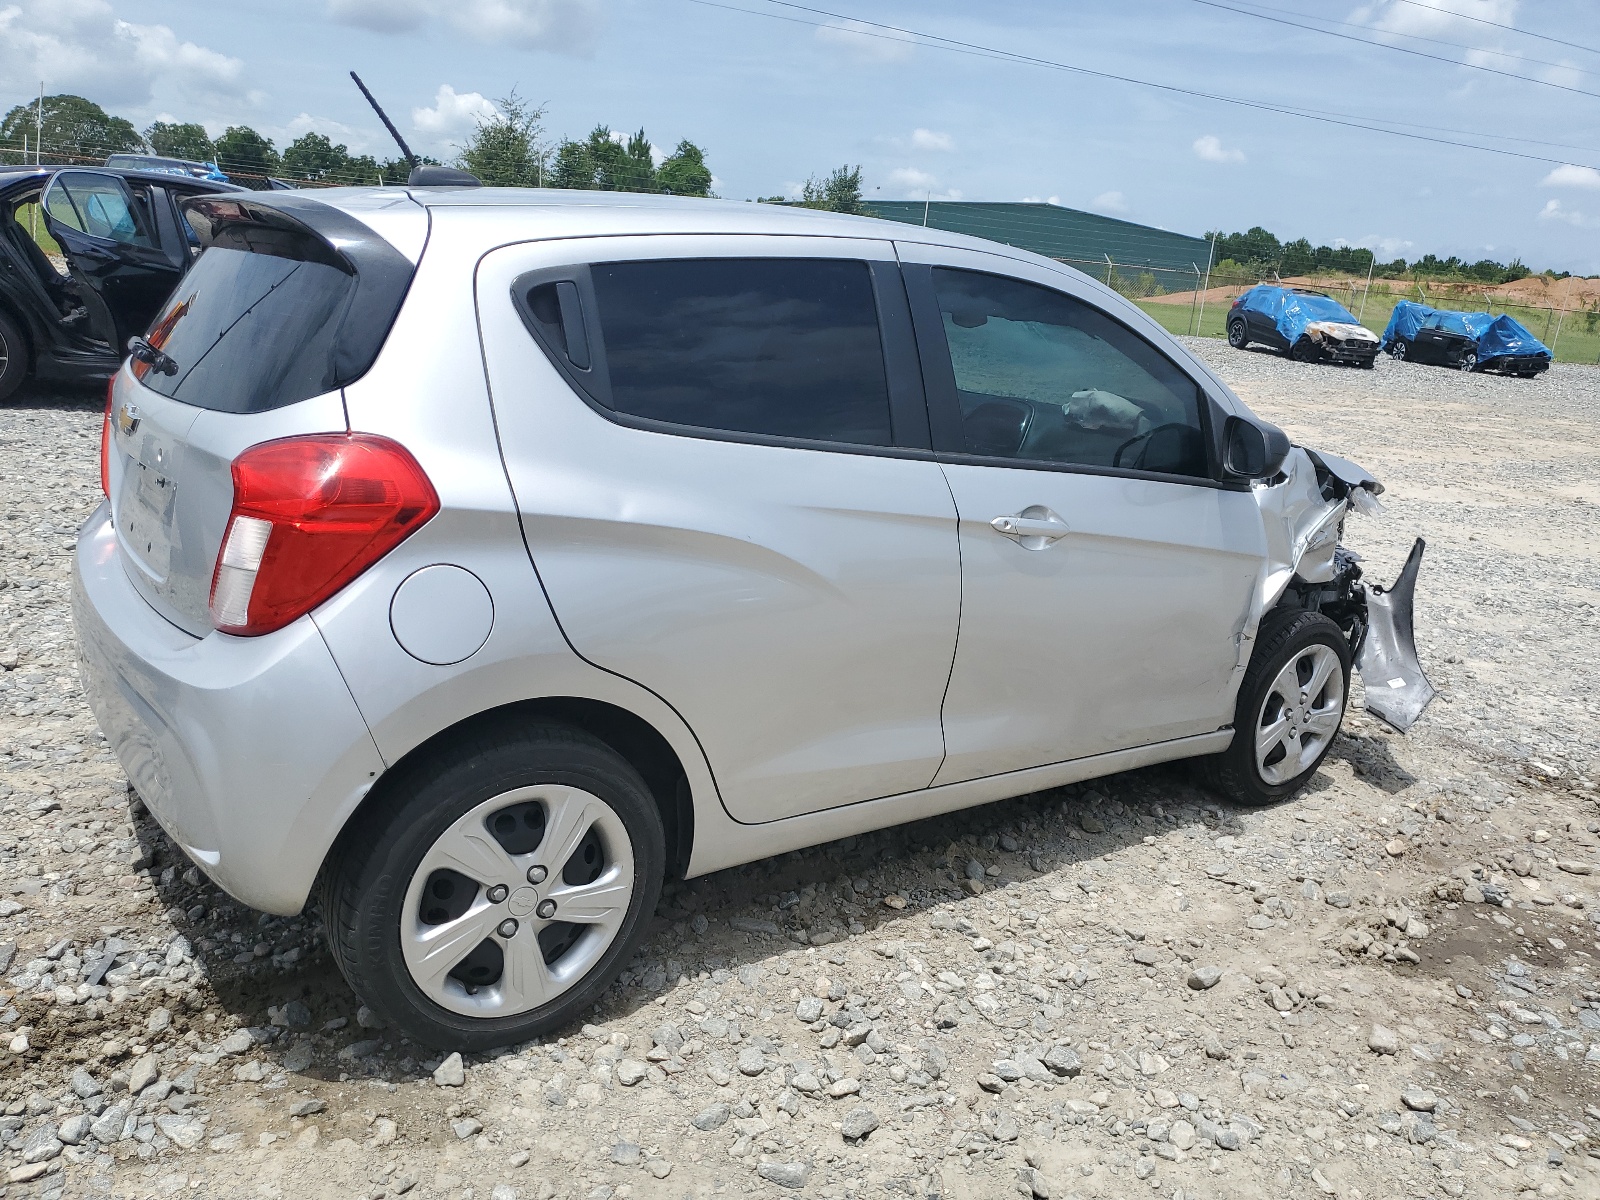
145, 512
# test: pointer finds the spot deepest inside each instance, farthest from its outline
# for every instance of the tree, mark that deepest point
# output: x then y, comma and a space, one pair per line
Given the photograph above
684, 173
505, 150
315, 158
243, 151
839, 192
602, 163
180, 141
75, 130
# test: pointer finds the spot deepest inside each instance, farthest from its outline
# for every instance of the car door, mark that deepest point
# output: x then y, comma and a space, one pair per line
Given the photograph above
1106, 574
1432, 343
112, 240
720, 455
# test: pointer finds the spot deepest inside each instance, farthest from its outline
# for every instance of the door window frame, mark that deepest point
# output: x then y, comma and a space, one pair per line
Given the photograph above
908, 407
944, 403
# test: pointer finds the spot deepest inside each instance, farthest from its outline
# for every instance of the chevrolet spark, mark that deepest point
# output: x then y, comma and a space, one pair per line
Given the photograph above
476, 559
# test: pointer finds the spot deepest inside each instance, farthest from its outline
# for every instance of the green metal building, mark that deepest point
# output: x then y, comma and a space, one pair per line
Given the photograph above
1082, 239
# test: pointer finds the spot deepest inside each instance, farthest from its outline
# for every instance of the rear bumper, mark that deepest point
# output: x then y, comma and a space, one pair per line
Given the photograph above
250, 752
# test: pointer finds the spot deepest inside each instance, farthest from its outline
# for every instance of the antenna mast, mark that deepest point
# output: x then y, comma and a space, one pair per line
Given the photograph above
411, 158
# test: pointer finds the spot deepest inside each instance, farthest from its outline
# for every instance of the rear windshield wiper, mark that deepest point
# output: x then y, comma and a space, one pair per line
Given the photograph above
155, 359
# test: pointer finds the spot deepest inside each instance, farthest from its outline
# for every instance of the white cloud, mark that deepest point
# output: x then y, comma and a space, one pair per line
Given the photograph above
1447, 20
82, 46
866, 43
569, 26
928, 139
1571, 176
454, 114
1386, 248
1210, 149
1114, 202
1056, 200
910, 179
1555, 211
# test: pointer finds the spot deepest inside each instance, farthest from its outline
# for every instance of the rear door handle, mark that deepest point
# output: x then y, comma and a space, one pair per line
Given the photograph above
1033, 529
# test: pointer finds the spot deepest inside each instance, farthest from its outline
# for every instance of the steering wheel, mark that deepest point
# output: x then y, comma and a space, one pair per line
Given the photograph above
1116, 458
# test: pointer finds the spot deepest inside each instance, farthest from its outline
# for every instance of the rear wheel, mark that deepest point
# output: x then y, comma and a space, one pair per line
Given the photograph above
13, 357
1399, 350
1238, 336
497, 889
1290, 706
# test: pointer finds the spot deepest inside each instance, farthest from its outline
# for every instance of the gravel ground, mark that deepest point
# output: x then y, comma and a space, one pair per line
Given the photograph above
1125, 988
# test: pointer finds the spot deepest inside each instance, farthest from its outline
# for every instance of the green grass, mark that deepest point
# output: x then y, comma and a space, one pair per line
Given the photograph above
30, 220
1579, 341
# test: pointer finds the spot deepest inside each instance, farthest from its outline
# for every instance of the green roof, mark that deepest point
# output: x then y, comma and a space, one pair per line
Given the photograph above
1080, 238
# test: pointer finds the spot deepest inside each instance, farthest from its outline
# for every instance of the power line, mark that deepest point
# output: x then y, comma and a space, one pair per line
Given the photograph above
1415, 37
1350, 37
953, 45
1497, 25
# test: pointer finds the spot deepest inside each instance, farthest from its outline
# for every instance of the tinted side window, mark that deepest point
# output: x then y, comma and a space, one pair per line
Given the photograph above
99, 206
1045, 377
783, 347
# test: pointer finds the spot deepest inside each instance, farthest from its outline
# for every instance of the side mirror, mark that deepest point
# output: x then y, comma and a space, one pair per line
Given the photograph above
1253, 450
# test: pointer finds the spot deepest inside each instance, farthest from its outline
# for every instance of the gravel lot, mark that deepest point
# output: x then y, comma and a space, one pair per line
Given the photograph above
1386, 987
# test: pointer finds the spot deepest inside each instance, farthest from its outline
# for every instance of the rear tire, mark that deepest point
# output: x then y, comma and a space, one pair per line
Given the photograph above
1290, 707
1399, 351
13, 357
1238, 335
444, 915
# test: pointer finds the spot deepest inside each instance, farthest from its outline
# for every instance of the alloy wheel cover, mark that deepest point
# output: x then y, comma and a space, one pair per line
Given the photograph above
1299, 715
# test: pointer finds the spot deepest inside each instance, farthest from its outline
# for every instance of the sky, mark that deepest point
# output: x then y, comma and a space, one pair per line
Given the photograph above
776, 93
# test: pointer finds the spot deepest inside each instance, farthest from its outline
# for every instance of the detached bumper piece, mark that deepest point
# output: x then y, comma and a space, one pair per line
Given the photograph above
1397, 689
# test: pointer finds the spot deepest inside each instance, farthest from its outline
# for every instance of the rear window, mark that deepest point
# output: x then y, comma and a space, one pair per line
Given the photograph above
249, 332
783, 347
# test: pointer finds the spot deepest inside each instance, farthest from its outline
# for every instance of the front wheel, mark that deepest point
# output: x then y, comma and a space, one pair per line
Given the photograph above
495, 890
1238, 337
1469, 361
13, 357
1305, 351
1290, 707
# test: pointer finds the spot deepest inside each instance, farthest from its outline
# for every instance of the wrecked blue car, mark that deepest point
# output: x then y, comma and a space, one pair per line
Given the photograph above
1308, 326
1467, 341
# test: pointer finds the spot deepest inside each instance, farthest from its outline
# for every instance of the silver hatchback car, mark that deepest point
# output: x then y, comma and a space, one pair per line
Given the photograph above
479, 558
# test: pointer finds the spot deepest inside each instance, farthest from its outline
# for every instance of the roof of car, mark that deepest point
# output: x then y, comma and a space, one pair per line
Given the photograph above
12, 175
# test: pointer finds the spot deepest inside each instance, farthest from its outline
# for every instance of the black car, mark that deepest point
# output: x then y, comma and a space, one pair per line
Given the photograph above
125, 244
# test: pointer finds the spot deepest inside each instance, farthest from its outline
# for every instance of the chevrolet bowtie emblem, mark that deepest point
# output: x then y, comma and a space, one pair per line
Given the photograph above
127, 419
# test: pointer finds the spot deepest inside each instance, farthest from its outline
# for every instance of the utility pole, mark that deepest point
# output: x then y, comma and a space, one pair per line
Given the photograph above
38, 126
1372, 261
1192, 326
926, 204
1206, 286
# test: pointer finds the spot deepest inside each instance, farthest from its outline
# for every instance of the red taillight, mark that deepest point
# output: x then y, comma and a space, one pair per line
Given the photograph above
309, 515
105, 441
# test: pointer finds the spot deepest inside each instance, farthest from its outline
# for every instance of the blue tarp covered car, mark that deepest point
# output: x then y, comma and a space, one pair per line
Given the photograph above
1468, 341
1306, 325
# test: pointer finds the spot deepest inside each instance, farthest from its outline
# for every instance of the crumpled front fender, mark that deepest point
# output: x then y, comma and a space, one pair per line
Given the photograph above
1397, 688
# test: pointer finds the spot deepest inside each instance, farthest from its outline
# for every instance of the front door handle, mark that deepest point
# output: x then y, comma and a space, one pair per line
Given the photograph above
1034, 528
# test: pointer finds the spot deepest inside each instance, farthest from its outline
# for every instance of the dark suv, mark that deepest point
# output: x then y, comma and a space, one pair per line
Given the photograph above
124, 243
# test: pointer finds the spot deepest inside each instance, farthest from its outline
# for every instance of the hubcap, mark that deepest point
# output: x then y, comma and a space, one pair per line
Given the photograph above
517, 901
1300, 714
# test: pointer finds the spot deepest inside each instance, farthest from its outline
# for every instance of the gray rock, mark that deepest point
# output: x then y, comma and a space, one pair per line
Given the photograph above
451, 1072
1182, 1135
8, 951
83, 1084
755, 925
626, 1154
751, 1062
669, 1037
1419, 1099
809, 1009
184, 1131
75, 1128
714, 1116
1203, 978
1146, 955
1383, 1040
1091, 823
1063, 1060
42, 1144
466, 1127
145, 1071
631, 1071
1006, 1128
784, 1174
858, 1123
108, 1126
158, 1022
306, 1107
299, 1057
1338, 899
504, 1191
236, 1042
296, 1015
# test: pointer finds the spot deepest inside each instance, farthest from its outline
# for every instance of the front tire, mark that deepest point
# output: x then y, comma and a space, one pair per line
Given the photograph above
494, 890
1469, 362
13, 357
1238, 336
1290, 707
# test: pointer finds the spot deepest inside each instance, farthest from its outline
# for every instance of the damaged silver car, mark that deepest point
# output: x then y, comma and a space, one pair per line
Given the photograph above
482, 557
